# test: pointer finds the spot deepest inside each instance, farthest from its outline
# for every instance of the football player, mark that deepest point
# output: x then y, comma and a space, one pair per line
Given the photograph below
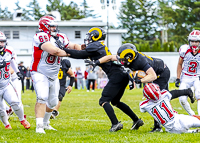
7, 90
94, 48
159, 107
157, 72
45, 65
188, 70
65, 70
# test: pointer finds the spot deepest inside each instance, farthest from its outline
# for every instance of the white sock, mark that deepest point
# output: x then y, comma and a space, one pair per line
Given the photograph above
4, 120
198, 106
20, 113
46, 118
39, 121
187, 108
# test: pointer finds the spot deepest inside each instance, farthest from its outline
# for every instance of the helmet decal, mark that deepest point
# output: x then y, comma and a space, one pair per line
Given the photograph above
97, 29
126, 51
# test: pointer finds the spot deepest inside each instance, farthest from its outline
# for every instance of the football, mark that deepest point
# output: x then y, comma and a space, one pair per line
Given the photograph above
140, 74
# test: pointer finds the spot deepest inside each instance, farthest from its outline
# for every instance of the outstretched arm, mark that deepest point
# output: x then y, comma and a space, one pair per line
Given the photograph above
78, 54
108, 58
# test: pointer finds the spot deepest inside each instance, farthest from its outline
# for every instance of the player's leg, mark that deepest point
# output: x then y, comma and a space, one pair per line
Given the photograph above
55, 112
51, 103
186, 82
10, 96
124, 107
3, 114
41, 86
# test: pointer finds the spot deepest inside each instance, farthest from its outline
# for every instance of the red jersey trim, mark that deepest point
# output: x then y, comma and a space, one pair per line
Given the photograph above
6, 50
144, 102
37, 57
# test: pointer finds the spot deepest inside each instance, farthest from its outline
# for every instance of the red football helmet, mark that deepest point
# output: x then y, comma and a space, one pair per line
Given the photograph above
194, 36
45, 23
152, 91
3, 39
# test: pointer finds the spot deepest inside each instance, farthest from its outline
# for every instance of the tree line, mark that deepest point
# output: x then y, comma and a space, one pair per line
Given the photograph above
143, 19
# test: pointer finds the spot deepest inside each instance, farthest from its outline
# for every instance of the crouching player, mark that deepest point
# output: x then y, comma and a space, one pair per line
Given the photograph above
159, 107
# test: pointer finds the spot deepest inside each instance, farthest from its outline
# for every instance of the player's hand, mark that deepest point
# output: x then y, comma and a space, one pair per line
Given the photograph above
137, 79
131, 82
177, 82
92, 63
83, 46
20, 76
69, 89
2, 64
60, 45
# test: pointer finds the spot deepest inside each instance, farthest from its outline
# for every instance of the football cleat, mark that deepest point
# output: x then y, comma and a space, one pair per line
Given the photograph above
116, 127
40, 129
8, 126
156, 129
137, 124
190, 95
9, 111
49, 127
26, 124
54, 114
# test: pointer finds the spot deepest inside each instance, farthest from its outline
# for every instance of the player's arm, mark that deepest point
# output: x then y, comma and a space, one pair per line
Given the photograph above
11, 70
179, 67
78, 54
74, 46
53, 50
108, 58
72, 76
151, 76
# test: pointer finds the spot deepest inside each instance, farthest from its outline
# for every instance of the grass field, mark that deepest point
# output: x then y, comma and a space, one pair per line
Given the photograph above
81, 119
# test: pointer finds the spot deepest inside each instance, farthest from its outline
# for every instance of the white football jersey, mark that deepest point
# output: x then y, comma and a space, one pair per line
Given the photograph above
190, 62
5, 72
161, 111
42, 61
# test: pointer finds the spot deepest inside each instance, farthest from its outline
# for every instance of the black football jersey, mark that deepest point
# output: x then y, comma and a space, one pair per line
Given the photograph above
100, 50
144, 62
64, 67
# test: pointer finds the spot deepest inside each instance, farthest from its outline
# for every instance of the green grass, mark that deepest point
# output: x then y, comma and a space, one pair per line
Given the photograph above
81, 119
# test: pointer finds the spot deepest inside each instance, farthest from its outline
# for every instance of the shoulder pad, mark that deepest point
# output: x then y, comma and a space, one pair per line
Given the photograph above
10, 50
67, 63
41, 37
94, 46
183, 49
64, 38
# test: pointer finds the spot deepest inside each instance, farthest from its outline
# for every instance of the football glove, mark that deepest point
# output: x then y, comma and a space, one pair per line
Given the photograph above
20, 76
137, 79
2, 64
92, 63
177, 82
131, 82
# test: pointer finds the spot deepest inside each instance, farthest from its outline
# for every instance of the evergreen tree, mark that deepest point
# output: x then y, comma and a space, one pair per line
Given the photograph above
181, 17
139, 17
5, 14
86, 12
67, 12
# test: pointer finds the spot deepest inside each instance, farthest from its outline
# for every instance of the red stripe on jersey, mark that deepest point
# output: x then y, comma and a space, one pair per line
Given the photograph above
37, 56
144, 102
163, 92
188, 51
6, 50
63, 39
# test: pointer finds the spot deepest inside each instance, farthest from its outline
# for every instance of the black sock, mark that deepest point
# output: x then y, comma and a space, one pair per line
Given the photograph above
126, 109
156, 124
178, 93
110, 112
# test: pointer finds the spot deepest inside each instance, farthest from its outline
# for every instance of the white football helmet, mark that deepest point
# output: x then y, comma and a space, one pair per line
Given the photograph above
2, 39
194, 36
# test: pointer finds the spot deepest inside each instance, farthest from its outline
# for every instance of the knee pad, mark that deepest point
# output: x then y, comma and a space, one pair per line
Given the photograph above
60, 97
42, 101
52, 103
16, 106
